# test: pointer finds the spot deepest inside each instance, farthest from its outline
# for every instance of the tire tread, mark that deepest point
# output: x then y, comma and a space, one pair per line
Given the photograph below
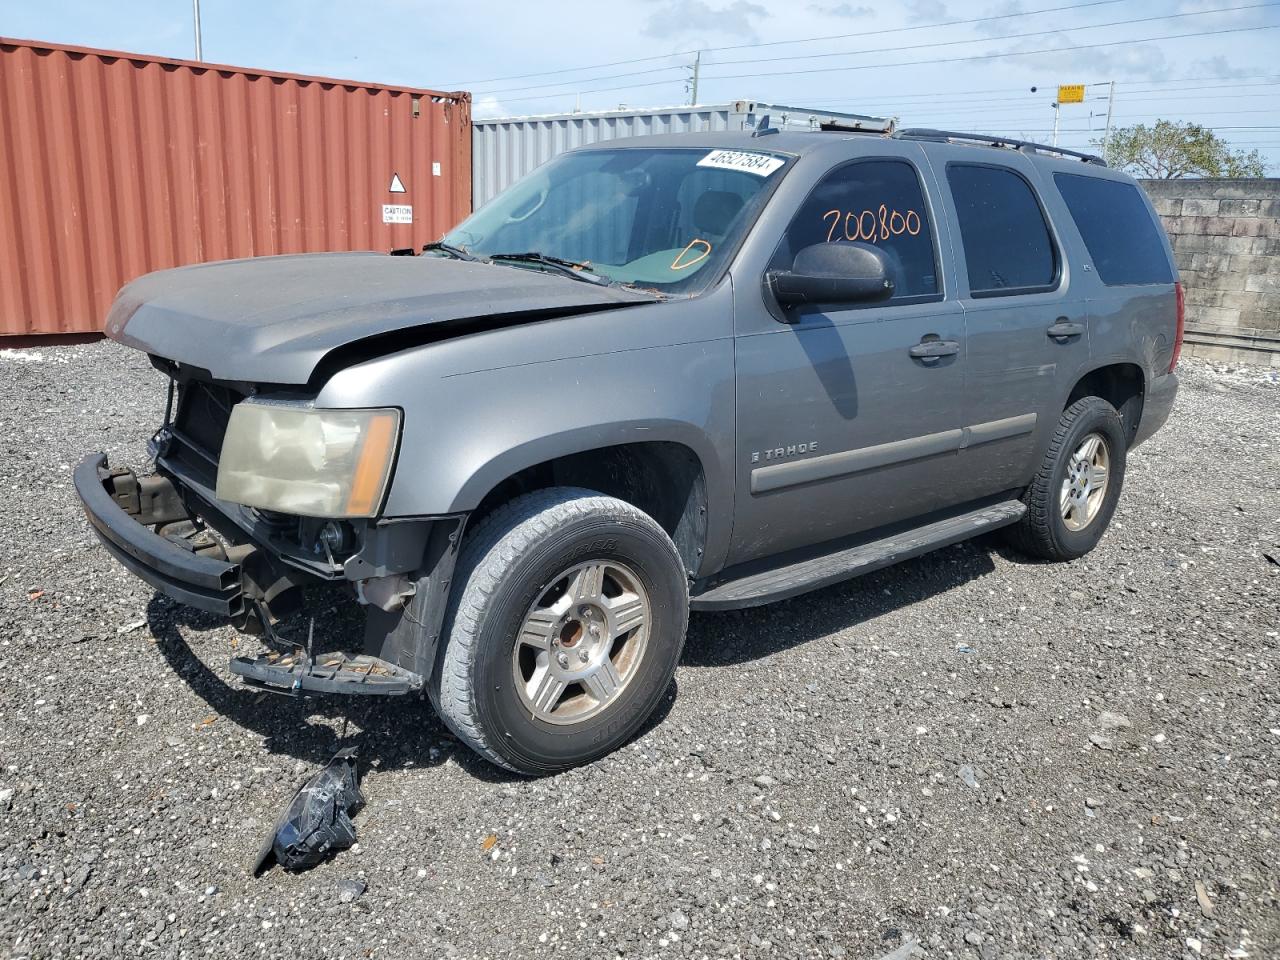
1034, 533
489, 551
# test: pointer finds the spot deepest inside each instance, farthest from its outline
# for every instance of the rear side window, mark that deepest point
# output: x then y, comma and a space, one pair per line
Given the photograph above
1118, 230
871, 201
1007, 246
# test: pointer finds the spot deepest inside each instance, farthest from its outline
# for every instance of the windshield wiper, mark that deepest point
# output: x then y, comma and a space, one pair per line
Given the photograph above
447, 248
570, 268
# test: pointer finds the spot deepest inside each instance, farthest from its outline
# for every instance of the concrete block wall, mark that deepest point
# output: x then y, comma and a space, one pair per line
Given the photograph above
1226, 241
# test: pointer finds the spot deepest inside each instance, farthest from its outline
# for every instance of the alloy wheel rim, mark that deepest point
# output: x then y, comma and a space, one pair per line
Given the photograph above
581, 642
1085, 486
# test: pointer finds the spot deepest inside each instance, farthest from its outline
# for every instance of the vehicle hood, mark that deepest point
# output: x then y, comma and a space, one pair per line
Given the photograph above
274, 319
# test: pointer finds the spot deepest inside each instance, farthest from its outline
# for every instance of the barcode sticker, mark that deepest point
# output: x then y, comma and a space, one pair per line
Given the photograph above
761, 164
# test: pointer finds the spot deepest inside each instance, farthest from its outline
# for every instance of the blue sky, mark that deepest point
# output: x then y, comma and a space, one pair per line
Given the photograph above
908, 59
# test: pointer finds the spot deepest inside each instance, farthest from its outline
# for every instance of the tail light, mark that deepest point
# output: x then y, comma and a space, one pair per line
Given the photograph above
1181, 330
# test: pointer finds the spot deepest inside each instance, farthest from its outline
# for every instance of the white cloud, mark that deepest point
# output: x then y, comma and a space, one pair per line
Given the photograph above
1219, 66
695, 18
1009, 22
843, 10
487, 107
920, 11
1138, 60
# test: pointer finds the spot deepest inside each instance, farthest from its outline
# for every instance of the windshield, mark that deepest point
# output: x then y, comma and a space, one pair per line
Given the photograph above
664, 219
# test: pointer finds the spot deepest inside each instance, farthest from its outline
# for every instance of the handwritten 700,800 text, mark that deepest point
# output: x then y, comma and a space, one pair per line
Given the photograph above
872, 225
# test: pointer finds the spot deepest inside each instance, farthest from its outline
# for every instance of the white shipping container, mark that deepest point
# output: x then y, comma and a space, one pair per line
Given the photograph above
504, 150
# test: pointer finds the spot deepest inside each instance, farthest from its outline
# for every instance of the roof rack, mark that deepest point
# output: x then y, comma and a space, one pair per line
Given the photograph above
1026, 146
853, 124
825, 122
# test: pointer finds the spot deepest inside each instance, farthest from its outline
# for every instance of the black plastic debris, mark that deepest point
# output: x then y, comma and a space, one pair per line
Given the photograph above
317, 819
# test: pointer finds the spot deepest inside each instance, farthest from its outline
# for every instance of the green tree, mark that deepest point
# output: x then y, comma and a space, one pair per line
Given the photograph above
1169, 150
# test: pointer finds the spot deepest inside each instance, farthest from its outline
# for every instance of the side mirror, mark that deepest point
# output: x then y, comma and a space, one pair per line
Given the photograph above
833, 273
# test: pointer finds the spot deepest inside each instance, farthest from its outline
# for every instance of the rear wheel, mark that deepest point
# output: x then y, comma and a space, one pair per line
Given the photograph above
565, 629
1073, 495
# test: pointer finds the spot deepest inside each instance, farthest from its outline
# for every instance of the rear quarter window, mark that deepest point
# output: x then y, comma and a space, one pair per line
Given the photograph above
1118, 230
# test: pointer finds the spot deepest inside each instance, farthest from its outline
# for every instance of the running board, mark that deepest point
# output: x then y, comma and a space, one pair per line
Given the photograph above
295, 673
779, 583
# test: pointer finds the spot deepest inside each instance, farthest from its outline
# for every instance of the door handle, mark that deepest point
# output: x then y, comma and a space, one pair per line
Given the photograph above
934, 349
1065, 329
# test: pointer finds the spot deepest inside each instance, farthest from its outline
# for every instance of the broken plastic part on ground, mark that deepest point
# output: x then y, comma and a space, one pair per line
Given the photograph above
317, 819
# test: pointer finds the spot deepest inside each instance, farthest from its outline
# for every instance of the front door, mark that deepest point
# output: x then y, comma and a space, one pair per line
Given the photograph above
844, 422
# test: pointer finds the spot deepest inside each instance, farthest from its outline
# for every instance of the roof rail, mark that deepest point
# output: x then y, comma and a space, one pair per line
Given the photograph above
1026, 146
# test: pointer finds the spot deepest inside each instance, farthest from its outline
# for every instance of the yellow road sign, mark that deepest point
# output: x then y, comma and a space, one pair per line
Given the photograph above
1071, 93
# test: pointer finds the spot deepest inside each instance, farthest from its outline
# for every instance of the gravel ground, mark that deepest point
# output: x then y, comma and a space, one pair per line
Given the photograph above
968, 755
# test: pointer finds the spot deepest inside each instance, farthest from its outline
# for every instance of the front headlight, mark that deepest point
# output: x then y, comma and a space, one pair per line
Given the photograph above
315, 463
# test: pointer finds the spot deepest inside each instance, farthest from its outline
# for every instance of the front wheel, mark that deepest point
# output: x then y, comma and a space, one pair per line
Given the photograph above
563, 632
1073, 495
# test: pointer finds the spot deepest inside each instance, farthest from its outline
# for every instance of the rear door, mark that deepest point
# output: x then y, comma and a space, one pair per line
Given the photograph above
1028, 337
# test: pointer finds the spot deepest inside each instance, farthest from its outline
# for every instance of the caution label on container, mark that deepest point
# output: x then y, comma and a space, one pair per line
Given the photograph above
397, 213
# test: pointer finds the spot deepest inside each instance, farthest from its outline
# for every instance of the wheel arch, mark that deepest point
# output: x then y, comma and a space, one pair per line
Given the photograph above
667, 478
1121, 384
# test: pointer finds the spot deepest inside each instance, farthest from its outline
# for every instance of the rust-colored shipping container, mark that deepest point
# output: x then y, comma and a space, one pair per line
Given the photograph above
113, 165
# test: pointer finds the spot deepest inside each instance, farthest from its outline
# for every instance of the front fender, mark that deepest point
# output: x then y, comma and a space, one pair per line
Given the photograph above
481, 408
507, 461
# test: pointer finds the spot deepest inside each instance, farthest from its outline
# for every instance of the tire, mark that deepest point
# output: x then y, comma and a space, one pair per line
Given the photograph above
492, 684
1045, 531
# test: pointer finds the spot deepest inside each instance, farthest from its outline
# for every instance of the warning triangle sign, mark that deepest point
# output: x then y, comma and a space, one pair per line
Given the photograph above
397, 185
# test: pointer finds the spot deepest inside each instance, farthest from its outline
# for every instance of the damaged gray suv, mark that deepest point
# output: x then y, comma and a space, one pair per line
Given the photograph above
701, 372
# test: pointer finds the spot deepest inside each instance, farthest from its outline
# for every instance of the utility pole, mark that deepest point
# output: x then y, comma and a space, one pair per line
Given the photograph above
1057, 109
693, 84
1106, 134
195, 10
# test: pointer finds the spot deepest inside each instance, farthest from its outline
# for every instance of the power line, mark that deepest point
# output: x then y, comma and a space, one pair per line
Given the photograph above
968, 105
552, 73
775, 43
1002, 55
899, 102
1252, 76
1132, 86
877, 50
1125, 118
1203, 96
920, 26
914, 63
1216, 129
959, 96
1007, 36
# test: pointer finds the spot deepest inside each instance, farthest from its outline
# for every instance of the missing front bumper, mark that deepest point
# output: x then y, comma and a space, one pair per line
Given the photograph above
235, 576
197, 580
327, 673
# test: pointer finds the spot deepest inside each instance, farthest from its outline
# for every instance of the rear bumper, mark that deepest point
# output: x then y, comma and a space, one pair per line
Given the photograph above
198, 581
1156, 406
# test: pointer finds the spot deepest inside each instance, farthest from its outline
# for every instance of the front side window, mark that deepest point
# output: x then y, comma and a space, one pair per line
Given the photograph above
1007, 245
1117, 228
879, 202
663, 219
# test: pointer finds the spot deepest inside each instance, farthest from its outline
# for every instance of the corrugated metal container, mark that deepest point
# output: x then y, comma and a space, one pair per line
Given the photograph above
114, 165
504, 150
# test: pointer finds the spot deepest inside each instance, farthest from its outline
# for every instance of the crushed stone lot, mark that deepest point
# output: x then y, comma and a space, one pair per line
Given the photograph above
969, 755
